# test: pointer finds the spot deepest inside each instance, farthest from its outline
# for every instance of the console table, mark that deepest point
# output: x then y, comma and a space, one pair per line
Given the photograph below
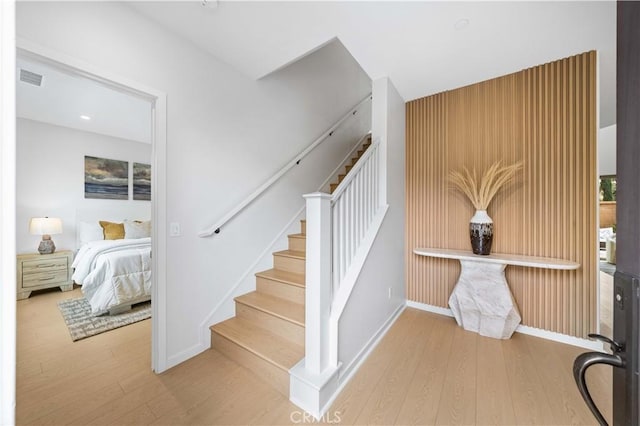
481, 300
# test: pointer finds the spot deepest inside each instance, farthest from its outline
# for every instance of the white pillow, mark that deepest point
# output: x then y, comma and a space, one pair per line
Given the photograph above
606, 233
137, 229
89, 231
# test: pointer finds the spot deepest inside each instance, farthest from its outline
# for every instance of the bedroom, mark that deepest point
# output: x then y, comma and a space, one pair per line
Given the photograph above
69, 128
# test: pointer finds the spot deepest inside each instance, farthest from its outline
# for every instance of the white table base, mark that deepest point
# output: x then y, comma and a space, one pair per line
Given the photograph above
482, 302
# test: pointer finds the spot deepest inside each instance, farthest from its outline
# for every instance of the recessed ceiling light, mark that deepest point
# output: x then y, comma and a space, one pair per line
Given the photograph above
85, 117
461, 24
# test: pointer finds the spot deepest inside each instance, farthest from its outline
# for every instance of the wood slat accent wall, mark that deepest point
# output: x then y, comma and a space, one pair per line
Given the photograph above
544, 116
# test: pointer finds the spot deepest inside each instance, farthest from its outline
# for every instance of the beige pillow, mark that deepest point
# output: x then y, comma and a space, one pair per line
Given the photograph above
112, 231
137, 229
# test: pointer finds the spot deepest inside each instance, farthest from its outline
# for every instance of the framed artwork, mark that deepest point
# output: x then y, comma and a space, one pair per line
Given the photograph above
141, 181
106, 179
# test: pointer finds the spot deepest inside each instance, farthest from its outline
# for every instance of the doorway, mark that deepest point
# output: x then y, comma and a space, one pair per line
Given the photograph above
157, 109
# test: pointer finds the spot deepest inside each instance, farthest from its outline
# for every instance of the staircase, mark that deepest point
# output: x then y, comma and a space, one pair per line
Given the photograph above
267, 334
354, 160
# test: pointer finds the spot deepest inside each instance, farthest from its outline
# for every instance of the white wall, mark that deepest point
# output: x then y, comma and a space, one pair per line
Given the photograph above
607, 151
226, 134
7, 215
370, 306
50, 179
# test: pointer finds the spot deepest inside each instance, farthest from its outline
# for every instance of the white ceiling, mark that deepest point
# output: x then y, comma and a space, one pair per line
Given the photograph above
416, 44
63, 98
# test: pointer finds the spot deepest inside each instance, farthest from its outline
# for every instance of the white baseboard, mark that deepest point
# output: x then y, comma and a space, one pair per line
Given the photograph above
349, 370
524, 329
562, 338
430, 308
182, 356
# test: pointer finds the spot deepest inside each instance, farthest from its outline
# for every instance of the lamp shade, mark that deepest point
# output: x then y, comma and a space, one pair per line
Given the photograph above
45, 226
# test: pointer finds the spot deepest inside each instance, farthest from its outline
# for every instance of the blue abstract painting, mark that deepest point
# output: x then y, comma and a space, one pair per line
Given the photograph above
141, 181
106, 179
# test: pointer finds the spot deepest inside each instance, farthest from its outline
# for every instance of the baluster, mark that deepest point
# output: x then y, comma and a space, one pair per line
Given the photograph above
343, 228
335, 241
358, 211
363, 206
354, 220
368, 189
376, 192
345, 235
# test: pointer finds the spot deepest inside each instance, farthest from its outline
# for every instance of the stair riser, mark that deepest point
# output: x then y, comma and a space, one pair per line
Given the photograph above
283, 328
268, 372
297, 244
303, 226
290, 264
281, 290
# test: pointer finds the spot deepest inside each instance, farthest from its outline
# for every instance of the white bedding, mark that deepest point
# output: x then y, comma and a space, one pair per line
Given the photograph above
114, 272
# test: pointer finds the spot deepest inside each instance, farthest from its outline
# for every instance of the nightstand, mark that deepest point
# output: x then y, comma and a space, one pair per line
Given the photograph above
38, 271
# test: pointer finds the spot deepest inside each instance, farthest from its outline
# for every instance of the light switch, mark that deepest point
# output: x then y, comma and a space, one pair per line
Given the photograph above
174, 229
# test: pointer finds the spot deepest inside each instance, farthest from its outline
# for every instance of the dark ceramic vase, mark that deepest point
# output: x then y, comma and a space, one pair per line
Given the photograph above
481, 232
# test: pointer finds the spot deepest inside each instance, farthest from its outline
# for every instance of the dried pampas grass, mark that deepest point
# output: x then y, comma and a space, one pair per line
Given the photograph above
494, 178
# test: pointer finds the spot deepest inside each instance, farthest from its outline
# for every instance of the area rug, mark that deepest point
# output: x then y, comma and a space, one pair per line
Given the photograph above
81, 324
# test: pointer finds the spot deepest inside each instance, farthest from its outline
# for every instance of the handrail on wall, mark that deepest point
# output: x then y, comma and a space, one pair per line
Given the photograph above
215, 229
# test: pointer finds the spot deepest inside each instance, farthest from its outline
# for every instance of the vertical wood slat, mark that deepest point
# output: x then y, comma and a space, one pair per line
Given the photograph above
544, 116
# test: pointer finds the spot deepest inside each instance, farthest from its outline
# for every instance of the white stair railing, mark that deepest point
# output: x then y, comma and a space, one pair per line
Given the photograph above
354, 204
339, 226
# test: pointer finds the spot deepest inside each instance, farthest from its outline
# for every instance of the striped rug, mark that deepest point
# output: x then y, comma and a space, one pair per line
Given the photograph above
82, 324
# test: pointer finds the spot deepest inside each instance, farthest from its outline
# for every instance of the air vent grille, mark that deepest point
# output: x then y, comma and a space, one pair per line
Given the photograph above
30, 77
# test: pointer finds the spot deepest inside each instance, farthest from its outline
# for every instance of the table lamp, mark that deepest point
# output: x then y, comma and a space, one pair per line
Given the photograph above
45, 226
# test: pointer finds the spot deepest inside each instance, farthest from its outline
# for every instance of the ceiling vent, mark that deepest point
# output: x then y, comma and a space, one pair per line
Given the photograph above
30, 77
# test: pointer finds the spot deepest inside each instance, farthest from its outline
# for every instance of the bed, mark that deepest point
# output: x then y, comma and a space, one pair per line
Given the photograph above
114, 273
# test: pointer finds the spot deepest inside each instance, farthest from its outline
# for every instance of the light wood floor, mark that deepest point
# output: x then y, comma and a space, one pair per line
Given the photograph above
425, 371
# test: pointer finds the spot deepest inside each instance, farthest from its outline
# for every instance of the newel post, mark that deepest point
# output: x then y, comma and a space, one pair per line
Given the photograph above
318, 282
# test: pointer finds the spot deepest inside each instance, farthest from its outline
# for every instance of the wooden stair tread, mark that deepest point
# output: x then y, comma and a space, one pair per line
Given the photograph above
281, 308
286, 277
290, 253
297, 236
268, 346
